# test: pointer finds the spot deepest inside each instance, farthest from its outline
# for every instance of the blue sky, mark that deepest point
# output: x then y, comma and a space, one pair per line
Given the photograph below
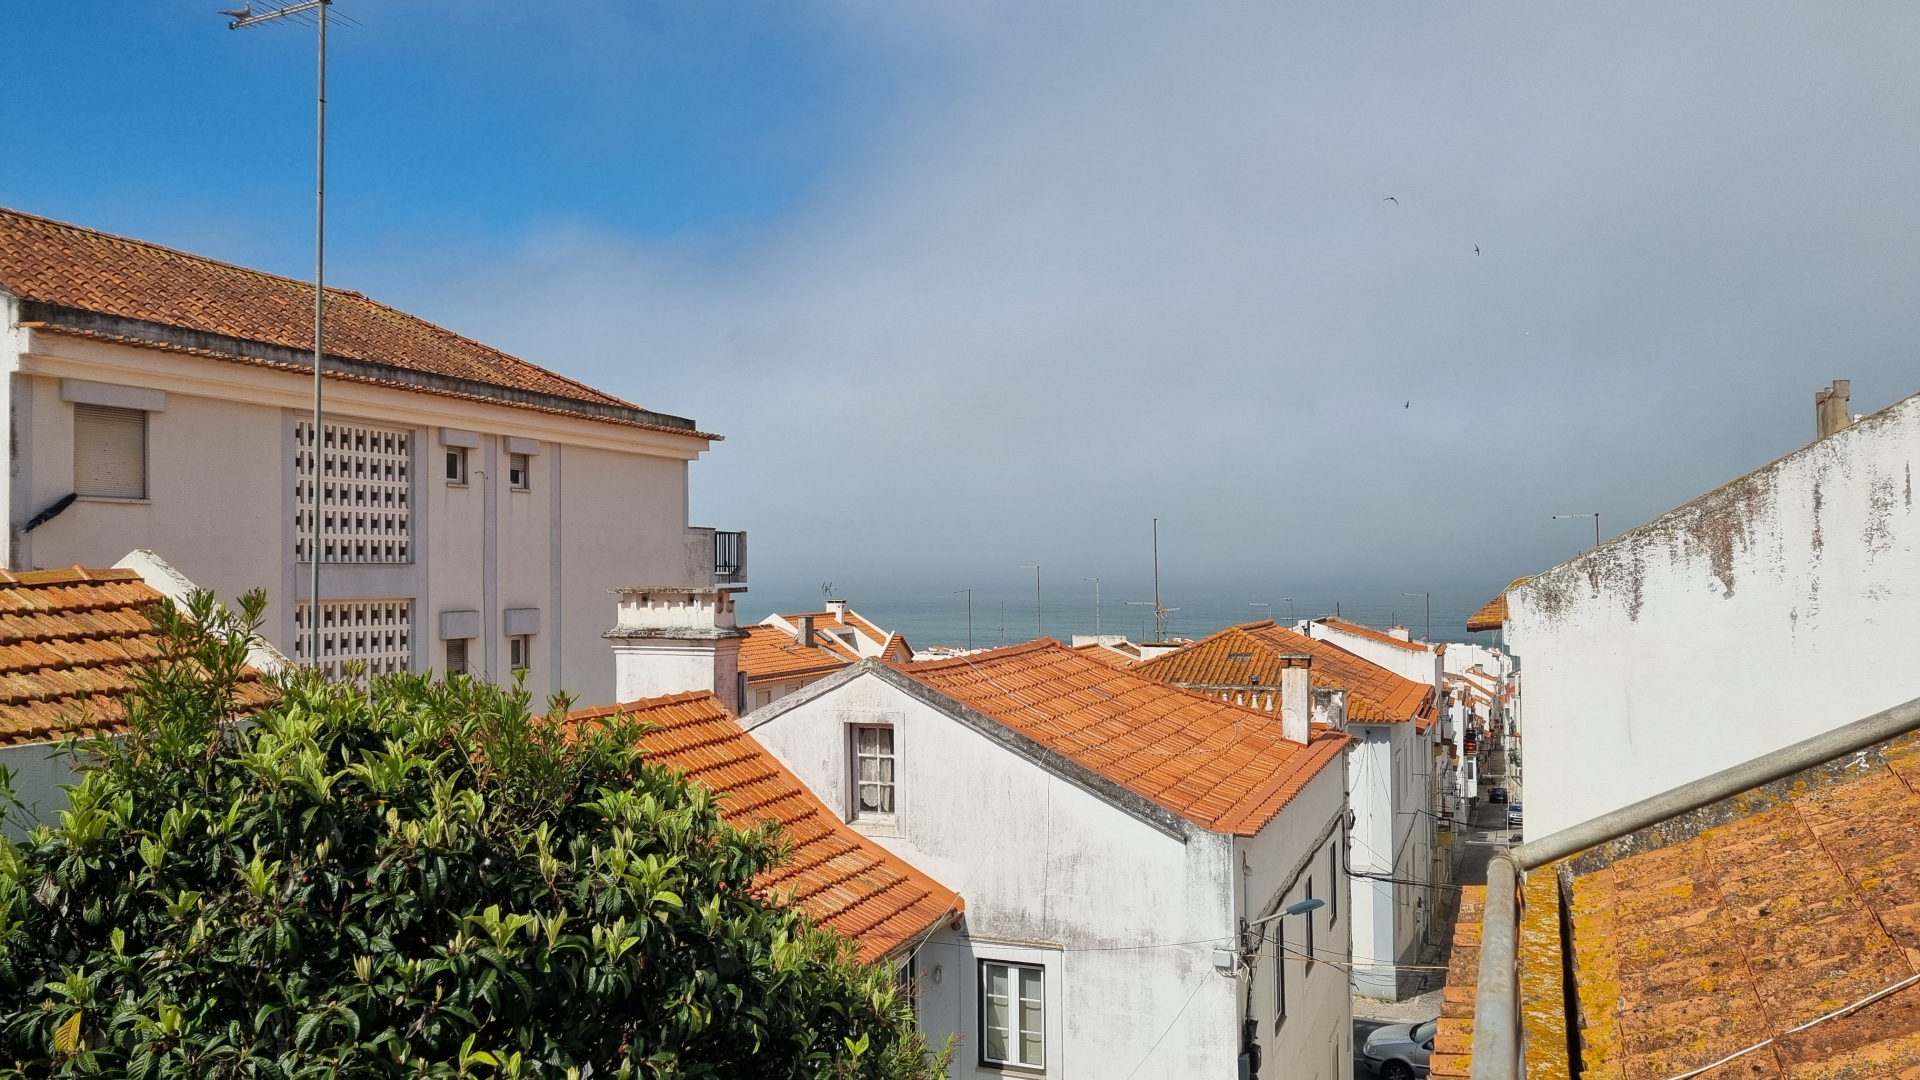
971, 285
470, 124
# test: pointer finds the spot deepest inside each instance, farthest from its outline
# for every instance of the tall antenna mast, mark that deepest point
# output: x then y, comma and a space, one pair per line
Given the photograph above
242, 19
1038, 633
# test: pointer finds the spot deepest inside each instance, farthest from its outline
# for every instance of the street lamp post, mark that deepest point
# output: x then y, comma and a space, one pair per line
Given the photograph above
244, 18
1429, 598
1038, 631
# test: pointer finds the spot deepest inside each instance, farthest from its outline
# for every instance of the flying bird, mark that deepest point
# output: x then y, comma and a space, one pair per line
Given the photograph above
1476, 249
1409, 405
244, 13
1392, 200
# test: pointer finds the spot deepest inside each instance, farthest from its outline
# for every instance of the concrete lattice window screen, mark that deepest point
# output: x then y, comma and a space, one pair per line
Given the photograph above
873, 776
366, 493
376, 633
1013, 1010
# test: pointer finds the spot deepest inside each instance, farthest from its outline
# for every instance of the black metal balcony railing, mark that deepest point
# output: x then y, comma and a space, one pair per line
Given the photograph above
729, 558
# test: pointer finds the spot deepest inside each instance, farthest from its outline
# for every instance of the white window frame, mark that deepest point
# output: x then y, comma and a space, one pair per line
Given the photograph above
520, 652
888, 819
113, 412
520, 472
456, 466
1016, 1029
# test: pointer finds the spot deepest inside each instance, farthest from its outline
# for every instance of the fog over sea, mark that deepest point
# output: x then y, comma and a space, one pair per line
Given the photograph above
939, 616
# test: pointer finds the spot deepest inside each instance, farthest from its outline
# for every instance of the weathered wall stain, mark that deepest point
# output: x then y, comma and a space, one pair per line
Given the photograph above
1878, 529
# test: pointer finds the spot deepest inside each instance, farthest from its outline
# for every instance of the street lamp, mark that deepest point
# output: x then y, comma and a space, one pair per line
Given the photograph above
1038, 633
243, 18
1429, 599
969, 593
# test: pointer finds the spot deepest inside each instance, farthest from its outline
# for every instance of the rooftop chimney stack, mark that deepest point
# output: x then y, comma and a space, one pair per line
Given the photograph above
837, 607
1830, 408
672, 639
805, 634
1296, 699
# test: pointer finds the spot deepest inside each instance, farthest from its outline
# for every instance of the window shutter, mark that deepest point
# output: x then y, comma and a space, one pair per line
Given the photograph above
109, 452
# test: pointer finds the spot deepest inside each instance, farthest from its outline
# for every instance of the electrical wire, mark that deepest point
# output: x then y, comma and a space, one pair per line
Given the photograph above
1763, 1043
1176, 1020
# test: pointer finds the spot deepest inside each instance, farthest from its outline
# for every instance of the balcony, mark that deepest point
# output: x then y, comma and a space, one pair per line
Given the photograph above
729, 558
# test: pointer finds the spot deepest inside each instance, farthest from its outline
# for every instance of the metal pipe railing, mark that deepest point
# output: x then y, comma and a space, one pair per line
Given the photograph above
1496, 1010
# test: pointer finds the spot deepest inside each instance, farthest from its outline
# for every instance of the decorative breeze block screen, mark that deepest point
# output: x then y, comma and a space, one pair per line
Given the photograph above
379, 633
365, 493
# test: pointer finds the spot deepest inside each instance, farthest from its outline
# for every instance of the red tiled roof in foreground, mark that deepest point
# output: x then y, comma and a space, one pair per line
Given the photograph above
1222, 767
1493, 614
1803, 899
840, 878
1239, 654
64, 265
70, 643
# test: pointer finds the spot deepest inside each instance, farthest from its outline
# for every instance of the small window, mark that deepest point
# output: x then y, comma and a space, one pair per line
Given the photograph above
1333, 876
1279, 972
456, 464
519, 475
457, 656
109, 452
520, 653
1013, 1011
873, 776
1307, 968
764, 697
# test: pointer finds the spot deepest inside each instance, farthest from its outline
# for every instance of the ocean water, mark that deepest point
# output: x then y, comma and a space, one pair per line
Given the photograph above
930, 617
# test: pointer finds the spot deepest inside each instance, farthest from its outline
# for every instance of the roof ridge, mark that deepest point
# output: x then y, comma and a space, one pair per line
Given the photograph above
974, 658
99, 235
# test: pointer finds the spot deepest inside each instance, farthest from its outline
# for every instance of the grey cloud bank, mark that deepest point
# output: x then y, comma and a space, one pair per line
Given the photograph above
1103, 262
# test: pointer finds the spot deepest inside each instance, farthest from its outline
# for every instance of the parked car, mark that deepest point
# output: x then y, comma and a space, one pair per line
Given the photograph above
1497, 795
1399, 1051
1515, 839
1513, 815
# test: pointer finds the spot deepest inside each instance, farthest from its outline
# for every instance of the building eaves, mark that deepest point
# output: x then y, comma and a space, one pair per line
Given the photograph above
76, 322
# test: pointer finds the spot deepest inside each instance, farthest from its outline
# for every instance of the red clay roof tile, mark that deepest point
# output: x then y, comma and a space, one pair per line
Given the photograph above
1239, 655
1222, 767
843, 880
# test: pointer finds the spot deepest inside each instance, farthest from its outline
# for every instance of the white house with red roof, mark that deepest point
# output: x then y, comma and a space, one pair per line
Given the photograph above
1126, 850
475, 508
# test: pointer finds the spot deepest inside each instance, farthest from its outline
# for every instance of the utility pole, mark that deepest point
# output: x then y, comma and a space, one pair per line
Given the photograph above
242, 19
969, 593
1038, 633
1096, 604
1596, 524
1429, 599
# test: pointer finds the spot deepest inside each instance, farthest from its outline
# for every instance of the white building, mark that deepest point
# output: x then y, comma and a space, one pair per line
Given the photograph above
1118, 842
1393, 649
1778, 606
1393, 843
476, 508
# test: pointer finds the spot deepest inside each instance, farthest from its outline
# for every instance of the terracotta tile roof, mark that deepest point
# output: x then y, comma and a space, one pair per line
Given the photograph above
1239, 654
1781, 906
69, 267
768, 652
1493, 614
1224, 768
826, 620
70, 643
1371, 634
1108, 655
842, 879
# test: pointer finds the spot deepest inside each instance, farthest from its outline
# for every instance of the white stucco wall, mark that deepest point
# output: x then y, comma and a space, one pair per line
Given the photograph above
1781, 605
1421, 664
607, 505
1387, 779
1051, 873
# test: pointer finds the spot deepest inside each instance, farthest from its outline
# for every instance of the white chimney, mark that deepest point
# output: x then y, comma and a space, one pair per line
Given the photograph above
1296, 698
837, 607
675, 639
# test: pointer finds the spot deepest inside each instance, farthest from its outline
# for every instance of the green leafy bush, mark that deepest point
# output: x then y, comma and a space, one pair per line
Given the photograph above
421, 879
